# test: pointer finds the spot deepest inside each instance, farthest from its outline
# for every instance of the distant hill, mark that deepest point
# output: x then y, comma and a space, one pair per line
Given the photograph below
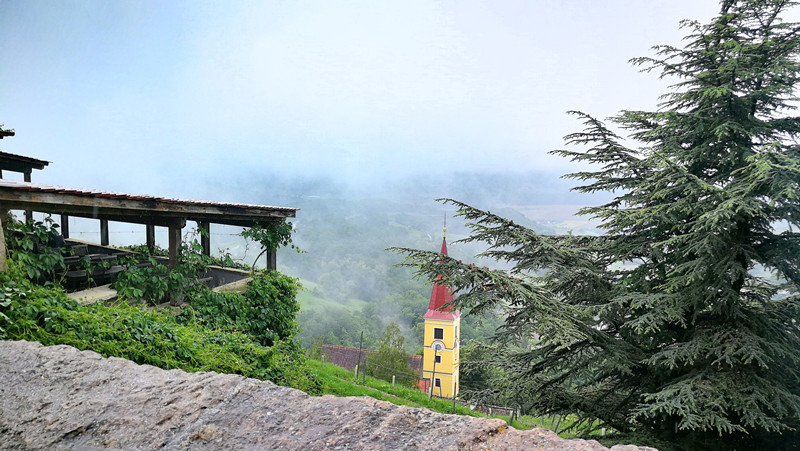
344, 231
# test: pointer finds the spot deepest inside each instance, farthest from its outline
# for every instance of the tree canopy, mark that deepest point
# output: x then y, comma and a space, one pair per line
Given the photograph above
391, 358
680, 322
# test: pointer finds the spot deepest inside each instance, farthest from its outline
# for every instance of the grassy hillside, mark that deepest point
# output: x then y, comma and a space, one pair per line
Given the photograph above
341, 382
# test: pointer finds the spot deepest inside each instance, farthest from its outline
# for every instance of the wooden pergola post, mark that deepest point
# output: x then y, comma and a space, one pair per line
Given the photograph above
175, 298
175, 242
205, 238
65, 226
104, 232
150, 231
28, 213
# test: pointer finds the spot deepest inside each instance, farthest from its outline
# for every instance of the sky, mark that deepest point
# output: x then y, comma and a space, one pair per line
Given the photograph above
184, 98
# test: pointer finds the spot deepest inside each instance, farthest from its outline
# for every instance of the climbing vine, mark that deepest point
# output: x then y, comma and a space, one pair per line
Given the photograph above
271, 236
33, 246
248, 334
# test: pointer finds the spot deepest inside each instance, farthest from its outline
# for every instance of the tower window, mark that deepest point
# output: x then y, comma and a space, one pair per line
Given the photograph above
438, 333
438, 359
437, 382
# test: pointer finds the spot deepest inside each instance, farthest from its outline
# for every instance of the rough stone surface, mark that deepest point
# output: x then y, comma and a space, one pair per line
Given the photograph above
61, 398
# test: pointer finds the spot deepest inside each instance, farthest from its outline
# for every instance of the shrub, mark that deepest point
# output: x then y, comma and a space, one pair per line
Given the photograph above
36, 313
266, 311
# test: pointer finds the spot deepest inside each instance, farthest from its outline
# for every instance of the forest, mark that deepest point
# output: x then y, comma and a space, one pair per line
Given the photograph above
351, 283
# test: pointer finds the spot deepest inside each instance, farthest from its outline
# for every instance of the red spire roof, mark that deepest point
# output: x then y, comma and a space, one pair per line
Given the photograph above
440, 296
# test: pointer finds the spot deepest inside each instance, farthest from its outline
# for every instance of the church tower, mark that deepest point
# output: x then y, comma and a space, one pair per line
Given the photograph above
440, 357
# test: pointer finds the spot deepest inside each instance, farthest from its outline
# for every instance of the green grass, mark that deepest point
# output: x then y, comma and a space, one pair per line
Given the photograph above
338, 381
309, 301
154, 337
341, 382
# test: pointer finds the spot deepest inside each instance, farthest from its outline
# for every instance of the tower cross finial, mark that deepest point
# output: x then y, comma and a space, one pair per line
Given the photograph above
444, 229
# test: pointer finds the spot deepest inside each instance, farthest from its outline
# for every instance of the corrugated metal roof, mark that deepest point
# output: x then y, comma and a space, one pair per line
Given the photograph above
35, 187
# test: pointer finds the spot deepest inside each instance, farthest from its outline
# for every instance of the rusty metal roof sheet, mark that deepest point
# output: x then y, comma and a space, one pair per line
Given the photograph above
94, 203
112, 195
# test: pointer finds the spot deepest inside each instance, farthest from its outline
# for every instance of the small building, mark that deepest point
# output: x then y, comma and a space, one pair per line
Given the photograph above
440, 361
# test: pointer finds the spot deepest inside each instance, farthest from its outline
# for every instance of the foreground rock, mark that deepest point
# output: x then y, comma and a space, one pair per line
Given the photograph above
60, 398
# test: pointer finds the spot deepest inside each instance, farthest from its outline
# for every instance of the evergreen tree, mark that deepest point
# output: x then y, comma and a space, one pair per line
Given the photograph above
681, 321
391, 358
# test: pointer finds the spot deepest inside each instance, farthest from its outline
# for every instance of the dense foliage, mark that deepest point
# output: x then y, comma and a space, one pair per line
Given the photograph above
266, 311
271, 236
336, 324
47, 315
28, 244
249, 333
680, 323
391, 359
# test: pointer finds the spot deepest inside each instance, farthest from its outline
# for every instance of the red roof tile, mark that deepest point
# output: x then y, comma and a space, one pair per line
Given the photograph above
440, 296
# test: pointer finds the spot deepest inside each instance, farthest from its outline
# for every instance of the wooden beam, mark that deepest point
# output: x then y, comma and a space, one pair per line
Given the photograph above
205, 237
18, 166
150, 231
65, 226
135, 217
272, 260
87, 203
138, 218
103, 232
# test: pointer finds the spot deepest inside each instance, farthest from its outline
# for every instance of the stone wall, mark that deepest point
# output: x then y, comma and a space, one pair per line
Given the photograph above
58, 397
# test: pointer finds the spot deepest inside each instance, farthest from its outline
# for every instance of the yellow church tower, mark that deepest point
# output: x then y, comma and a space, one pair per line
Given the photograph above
441, 342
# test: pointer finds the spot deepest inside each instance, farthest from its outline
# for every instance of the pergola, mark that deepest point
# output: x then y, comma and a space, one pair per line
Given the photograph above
19, 163
148, 210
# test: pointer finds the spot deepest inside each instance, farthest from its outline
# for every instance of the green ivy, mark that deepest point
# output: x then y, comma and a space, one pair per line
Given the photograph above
248, 334
29, 244
266, 311
47, 315
271, 236
154, 282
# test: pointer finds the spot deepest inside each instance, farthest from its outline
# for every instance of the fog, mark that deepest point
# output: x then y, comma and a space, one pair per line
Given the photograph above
360, 113
182, 98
